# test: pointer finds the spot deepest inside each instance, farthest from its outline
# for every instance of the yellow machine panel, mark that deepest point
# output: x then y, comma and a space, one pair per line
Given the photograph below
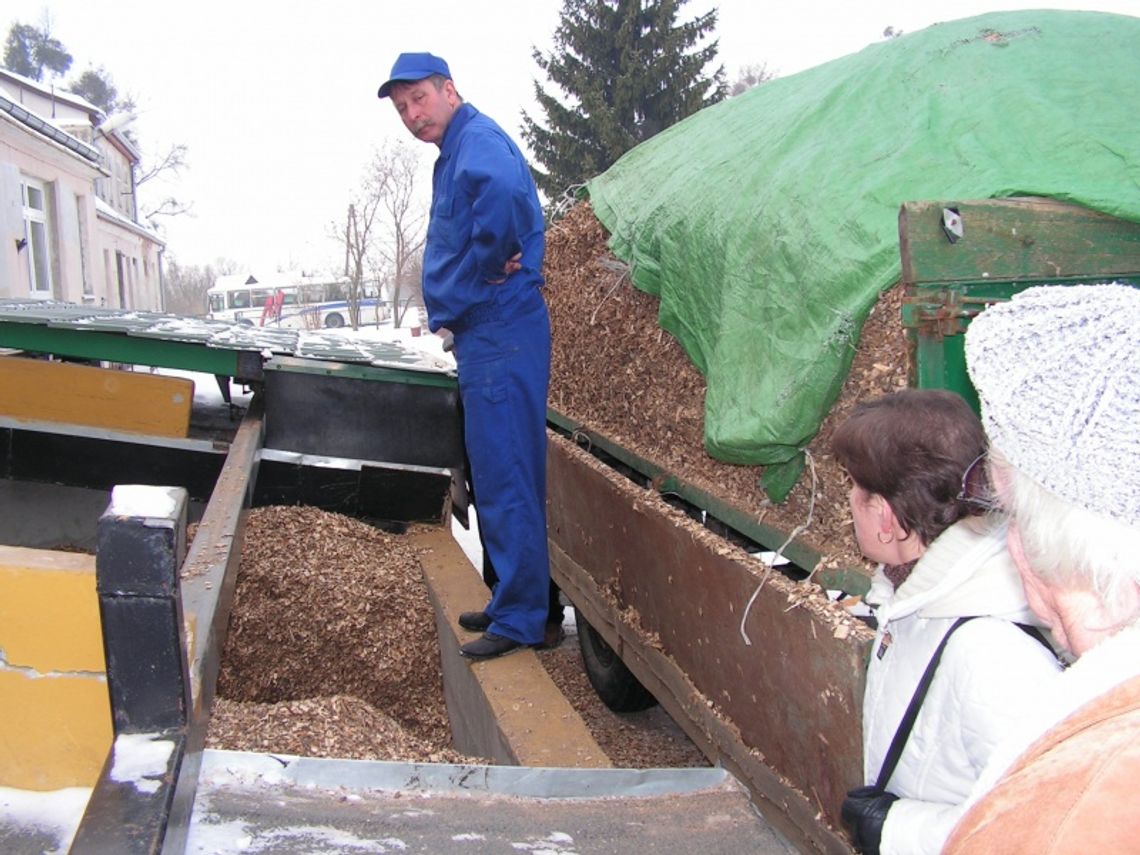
53, 690
38, 390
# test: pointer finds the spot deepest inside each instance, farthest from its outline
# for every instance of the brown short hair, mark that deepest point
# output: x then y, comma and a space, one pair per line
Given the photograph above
912, 448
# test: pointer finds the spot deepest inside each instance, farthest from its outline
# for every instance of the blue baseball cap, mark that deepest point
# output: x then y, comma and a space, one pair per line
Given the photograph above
414, 66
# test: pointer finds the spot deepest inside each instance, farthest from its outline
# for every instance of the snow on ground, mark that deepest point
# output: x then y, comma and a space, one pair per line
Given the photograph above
54, 814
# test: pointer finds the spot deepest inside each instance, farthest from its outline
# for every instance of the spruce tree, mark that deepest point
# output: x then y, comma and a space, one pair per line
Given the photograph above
29, 50
96, 86
628, 70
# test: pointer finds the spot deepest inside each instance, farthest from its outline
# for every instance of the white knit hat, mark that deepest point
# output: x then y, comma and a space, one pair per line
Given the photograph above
1057, 369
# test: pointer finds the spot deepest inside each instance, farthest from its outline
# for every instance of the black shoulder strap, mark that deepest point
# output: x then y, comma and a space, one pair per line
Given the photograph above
903, 732
1037, 635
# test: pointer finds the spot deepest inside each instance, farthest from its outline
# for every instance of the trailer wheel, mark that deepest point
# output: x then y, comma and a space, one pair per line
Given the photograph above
614, 683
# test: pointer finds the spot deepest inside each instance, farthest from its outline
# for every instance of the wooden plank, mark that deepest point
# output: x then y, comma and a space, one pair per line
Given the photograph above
208, 578
38, 390
507, 710
1020, 239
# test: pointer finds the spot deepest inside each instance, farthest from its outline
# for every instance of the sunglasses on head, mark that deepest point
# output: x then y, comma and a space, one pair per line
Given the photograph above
976, 491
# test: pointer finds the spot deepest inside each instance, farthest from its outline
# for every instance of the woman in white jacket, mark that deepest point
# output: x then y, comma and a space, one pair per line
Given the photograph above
910, 456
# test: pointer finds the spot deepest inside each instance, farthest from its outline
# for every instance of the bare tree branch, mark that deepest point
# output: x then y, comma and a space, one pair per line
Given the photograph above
173, 160
384, 230
168, 207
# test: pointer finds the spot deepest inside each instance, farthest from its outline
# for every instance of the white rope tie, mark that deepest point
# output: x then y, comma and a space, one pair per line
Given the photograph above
796, 532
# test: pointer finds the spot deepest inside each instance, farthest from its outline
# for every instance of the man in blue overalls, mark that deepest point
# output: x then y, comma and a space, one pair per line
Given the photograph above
482, 275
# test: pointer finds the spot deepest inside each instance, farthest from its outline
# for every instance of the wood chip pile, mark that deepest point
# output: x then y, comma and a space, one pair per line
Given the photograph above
616, 371
332, 652
332, 649
340, 726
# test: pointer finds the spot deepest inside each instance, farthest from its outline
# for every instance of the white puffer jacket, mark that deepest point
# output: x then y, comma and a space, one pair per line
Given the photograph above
991, 674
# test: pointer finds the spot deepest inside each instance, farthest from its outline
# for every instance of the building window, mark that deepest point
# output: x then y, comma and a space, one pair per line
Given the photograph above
84, 249
121, 277
108, 276
38, 245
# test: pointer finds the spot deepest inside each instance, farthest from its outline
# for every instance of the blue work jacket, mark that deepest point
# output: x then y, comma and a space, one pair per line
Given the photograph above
484, 210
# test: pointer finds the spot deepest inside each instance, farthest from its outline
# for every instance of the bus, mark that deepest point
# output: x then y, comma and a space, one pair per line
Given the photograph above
302, 302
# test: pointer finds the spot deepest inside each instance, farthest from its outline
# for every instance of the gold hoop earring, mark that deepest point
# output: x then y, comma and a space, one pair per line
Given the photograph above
890, 537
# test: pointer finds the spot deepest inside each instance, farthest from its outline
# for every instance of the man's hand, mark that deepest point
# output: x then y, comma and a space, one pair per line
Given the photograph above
513, 264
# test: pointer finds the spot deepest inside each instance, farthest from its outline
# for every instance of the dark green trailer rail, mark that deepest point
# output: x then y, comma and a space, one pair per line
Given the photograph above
203, 345
959, 257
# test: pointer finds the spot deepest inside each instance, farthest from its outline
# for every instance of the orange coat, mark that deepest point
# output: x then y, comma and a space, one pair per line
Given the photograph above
1074, 790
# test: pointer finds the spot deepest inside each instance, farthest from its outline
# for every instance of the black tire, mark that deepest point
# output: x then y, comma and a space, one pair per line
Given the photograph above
615, 684
334, 320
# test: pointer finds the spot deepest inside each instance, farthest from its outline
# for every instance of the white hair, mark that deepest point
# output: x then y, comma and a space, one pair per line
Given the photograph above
1067, 545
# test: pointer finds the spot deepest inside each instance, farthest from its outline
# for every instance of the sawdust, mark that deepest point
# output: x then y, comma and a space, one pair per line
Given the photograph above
338, 726
332, 652
616, 371
640, 740
331, 645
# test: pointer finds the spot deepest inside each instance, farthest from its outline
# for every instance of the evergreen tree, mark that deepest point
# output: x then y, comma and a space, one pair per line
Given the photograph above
96, 87
29, 50
632, 70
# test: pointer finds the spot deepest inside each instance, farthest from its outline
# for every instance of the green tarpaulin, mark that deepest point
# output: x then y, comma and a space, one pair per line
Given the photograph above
768, 224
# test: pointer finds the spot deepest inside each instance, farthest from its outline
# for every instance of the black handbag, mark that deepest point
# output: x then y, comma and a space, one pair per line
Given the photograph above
865, 808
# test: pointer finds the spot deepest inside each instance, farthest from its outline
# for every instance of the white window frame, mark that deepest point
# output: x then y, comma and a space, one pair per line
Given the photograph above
37, 236
85, 274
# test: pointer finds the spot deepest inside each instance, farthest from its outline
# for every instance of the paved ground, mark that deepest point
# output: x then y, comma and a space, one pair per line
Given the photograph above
473, 809
253, 803
18, 840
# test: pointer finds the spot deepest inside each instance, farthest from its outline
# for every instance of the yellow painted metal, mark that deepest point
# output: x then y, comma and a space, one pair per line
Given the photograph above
38, 390
49, 611
56, 732
55, 716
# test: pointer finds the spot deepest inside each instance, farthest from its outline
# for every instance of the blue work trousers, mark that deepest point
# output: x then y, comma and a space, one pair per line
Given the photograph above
504, 374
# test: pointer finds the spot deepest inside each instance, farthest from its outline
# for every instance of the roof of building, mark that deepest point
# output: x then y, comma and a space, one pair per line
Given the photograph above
50, 131
51, 92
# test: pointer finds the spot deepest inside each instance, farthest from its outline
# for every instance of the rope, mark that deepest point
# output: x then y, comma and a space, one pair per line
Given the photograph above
622, 271
569, 198
796, 532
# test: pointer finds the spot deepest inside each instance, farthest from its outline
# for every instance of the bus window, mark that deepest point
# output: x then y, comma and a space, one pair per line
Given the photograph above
239, 299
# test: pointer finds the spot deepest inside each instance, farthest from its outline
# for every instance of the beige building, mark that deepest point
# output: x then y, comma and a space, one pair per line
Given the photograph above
69, 225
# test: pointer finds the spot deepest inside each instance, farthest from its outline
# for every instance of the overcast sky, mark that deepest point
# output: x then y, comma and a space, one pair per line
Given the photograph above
279, 111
